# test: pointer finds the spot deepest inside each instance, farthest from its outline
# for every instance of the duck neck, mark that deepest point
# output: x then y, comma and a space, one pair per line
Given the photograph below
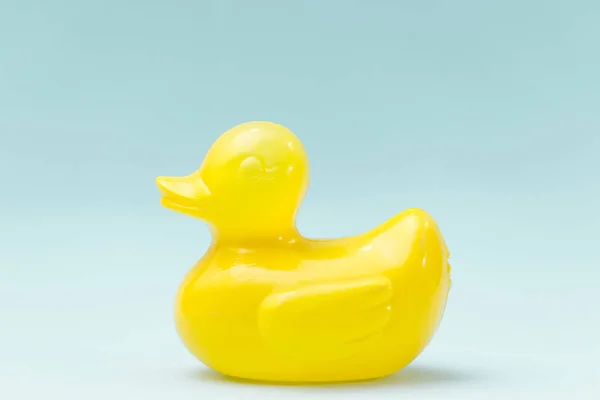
257, 236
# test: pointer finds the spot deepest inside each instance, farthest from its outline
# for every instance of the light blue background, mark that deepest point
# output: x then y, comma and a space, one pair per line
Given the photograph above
486, 114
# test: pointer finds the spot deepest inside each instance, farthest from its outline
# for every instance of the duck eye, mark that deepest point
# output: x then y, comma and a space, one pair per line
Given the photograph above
252, 169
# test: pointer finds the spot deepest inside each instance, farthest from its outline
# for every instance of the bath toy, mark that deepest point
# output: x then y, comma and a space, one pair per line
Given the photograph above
265, 303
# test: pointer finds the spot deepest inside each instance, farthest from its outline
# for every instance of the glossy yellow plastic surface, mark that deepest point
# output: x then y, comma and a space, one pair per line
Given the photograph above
265, 303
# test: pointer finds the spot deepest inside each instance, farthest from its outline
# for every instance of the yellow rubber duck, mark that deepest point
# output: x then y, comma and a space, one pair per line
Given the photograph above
265, 303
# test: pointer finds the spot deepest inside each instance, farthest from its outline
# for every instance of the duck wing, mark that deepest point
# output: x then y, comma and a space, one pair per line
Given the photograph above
328, 320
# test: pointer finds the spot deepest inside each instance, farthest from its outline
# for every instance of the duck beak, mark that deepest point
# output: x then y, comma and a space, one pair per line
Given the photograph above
187, 194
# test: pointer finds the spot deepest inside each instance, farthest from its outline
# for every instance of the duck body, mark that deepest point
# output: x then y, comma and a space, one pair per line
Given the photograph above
275, 306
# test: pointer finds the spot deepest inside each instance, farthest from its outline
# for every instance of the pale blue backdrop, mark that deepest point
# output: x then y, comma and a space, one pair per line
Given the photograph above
486, 114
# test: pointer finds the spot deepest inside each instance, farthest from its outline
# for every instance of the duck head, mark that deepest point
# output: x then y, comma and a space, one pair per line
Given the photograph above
251, 182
